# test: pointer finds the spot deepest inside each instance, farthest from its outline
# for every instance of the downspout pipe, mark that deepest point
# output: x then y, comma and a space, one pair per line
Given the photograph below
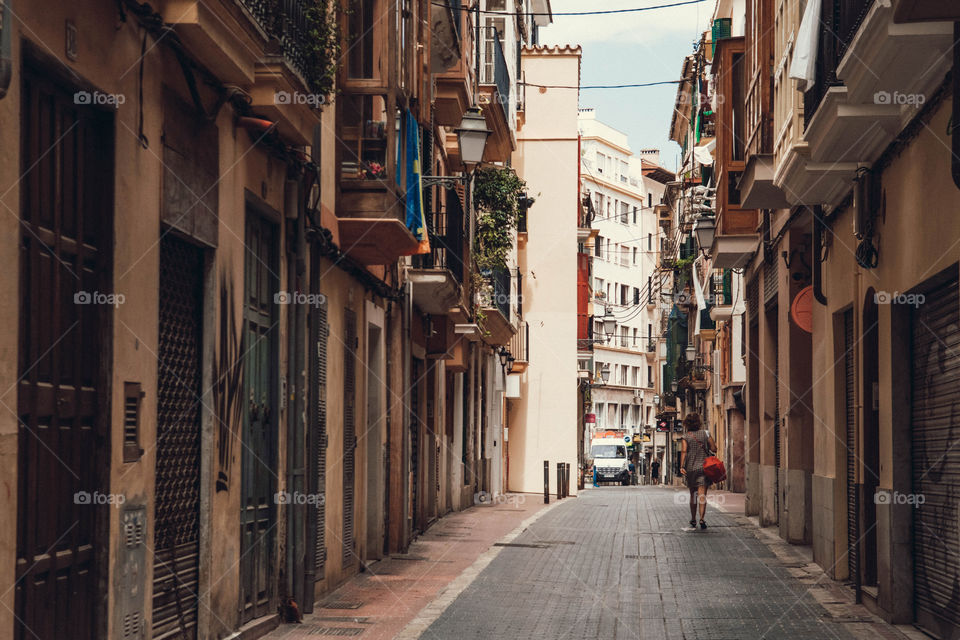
955, 112
818, 228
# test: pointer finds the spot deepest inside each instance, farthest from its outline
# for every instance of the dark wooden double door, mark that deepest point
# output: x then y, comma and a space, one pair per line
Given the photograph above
63, 363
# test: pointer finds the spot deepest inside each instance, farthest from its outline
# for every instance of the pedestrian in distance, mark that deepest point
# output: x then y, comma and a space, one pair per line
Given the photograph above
655, 471
696, 445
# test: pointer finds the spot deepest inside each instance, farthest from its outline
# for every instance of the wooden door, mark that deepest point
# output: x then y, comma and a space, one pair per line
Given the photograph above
63, 363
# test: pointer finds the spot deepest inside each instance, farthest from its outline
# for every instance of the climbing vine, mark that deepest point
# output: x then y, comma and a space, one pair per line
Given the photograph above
496, 194
322, 45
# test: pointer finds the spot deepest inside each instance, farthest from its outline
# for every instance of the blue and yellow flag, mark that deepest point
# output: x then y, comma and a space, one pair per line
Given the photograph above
416, 216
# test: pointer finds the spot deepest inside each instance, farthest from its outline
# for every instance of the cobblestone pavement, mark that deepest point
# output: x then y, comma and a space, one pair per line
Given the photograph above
615, 562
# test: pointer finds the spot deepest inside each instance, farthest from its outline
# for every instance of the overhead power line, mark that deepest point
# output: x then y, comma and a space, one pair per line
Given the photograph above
601, 86
576, 13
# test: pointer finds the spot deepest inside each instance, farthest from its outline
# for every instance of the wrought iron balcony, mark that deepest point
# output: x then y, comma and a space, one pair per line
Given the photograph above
288, 23
839, 21
495, 70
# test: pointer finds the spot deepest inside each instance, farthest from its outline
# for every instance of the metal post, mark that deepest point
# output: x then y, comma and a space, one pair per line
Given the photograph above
546, 482
566, 479
559, 480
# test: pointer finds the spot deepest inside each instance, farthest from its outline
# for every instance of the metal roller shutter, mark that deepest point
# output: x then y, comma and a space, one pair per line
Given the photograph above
349, 432
321, 330
851, 443
936, 459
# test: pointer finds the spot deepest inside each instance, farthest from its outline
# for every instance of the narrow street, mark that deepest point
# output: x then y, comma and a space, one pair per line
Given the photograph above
615, 562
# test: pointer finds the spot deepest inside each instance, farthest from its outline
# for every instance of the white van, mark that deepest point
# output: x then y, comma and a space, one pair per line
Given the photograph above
610, 460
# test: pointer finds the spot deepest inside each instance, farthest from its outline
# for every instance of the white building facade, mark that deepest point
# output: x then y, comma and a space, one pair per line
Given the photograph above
624, 278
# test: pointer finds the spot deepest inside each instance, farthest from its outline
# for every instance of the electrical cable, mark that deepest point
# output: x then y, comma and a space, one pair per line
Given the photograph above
553, 14
638, 85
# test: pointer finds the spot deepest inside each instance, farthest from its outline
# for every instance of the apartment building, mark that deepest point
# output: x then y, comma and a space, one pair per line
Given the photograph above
622, 188
247, 351
833, 146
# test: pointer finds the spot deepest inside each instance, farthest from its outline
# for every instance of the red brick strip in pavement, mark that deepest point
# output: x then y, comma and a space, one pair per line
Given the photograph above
394, 590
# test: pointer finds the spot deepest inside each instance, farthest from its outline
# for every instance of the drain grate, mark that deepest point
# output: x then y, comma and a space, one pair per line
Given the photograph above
341, 604
520, 545
334, 631
354, 619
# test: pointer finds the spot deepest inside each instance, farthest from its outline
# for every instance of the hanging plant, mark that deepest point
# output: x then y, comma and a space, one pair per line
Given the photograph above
322, 47
496, 196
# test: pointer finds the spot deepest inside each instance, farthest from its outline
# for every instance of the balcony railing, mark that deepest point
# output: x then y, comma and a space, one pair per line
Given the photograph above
496, 294
287, 22
495, 70
839, 21
446, 240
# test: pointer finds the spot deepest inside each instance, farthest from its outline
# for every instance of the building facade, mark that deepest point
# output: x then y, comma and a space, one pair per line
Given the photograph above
823, 169
236, 372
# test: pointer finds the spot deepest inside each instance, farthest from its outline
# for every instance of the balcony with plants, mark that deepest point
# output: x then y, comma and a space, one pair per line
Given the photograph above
378, 139
498, 200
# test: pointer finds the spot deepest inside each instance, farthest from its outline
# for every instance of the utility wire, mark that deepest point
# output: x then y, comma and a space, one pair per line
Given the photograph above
552, 14
601, 86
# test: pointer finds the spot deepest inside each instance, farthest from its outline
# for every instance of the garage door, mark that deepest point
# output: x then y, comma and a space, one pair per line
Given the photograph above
936, 459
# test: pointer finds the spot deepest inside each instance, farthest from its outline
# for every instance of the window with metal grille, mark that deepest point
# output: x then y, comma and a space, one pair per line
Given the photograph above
132, 395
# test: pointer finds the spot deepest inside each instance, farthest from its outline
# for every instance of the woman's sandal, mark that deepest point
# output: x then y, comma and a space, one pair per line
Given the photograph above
693, 523
703, 525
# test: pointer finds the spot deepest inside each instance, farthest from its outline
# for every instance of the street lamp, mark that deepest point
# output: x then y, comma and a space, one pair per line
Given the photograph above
704, 228
472, 136
510, 361
691, 353
673, 386
609, 323
503, 354
605, 372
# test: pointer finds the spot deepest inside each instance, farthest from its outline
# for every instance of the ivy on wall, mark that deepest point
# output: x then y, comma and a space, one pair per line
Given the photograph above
323, 45
496, 196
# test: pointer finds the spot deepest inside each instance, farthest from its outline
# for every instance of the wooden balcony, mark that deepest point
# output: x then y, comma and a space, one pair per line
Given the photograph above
452, 72
494, 100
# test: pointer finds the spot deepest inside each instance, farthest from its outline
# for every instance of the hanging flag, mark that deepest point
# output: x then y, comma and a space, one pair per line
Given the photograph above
416, 218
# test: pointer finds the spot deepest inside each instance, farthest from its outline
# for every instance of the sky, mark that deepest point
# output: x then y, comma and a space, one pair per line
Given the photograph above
628, 48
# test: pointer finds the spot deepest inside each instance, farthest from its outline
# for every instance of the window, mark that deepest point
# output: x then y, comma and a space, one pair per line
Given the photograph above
634, 337
634, 255
649, 330
624, 170
607, 255
598, 247
624, 213
365, 31
649, 242
608, 291
363, 134
635, 215
649, 200
636, 298
601, 160
624, 292
649, 376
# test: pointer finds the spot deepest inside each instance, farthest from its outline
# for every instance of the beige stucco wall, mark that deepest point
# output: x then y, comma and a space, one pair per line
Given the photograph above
543, 422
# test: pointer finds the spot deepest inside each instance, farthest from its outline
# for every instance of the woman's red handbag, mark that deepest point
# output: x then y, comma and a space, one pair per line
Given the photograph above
713, 467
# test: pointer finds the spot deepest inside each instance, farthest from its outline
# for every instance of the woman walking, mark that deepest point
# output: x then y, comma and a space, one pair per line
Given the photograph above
694, 449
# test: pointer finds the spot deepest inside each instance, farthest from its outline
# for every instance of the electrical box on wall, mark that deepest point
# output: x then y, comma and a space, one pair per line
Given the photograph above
130, 578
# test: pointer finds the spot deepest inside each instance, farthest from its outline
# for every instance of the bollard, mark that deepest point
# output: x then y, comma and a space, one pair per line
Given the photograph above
559, 480
566, 479
546, 482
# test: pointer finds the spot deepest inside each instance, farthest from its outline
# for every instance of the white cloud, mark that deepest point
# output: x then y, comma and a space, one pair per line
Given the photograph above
642, 27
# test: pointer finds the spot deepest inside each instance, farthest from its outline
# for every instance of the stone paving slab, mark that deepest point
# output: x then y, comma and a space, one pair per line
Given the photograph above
632, 572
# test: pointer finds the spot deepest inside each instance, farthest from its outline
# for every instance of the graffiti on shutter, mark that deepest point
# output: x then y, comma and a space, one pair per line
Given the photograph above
936, 459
